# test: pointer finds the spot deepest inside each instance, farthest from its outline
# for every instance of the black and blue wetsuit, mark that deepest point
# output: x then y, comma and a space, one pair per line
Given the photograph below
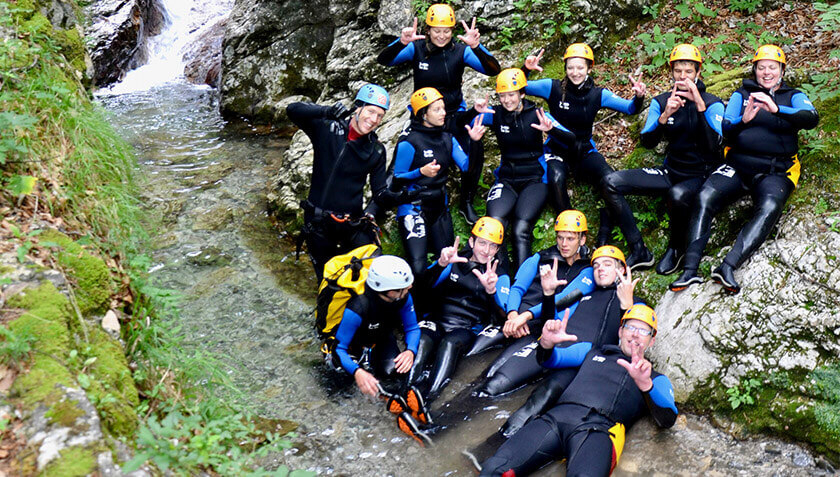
520, 189
579, 427
575, 106
443, 69
340, 169
762, 161
462, 310
694, 150
425, 224
366, 333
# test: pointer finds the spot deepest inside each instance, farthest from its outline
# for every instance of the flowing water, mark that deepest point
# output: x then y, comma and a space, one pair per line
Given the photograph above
247, 302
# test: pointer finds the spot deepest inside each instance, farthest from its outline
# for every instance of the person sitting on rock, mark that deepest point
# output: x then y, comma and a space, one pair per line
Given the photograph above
594, 320
469, 292
346, 153
439, 62
689, 119
520, 190
614, 387
574, 102
425, 152
524, 317
760, 126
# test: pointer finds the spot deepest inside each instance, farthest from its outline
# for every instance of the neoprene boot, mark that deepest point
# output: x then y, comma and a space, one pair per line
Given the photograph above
407, 424
640, 257
725, 276
466, 208
689, 277
670, 262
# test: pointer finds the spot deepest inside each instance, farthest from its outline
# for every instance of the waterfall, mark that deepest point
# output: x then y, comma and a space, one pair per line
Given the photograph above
184, 22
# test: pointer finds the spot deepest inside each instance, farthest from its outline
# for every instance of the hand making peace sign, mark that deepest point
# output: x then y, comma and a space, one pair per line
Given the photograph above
471, 34
409, 34
489, 278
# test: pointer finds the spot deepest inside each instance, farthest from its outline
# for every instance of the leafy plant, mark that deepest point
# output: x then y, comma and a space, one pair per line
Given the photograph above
695, 10
830, 16
652, 10
743, 393
14, 346
746, 6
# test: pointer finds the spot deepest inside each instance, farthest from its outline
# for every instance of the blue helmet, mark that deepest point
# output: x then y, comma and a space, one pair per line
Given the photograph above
375, 95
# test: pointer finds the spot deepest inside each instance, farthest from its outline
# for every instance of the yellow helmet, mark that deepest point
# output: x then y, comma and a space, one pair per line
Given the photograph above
490, 229
570, 221
440, 15
769, 52
424, 97
609, 251
642, 313
511, 79
685, 52
579, 50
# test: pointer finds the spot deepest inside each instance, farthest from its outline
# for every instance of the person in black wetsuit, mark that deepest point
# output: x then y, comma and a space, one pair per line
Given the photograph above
574, 102
689, 119
424, 154
469, 292
439, 62
594, 320
520, 190
614, 387
760, 126
346, 152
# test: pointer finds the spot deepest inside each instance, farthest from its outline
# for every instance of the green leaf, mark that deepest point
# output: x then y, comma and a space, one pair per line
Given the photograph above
84, 380
21, 185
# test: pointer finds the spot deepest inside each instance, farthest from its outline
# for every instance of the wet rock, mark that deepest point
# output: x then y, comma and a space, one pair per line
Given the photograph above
801, 459
203, 59
209, 256
213, 219
117, 33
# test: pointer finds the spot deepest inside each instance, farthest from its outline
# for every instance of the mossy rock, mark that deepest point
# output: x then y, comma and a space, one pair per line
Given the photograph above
73, 462
64, 413
112, 388
92, 276
724, 84
47, 317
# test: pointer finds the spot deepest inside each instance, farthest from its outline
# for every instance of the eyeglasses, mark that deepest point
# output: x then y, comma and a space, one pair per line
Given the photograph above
632, 329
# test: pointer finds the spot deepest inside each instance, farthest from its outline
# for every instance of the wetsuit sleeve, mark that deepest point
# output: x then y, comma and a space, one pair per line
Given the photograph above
801, 113
402, 162
503, 291
522, 281
660, 402
559, 132
627, 106
396, 53
469, 115
350, 322
651, 134
713, 126
304, 115
569, 357
460, 157
540, 88
584, 282
732, 116
409, 321
434, 275
482, 61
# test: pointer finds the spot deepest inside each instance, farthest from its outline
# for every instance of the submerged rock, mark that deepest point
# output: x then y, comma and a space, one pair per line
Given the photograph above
117, 33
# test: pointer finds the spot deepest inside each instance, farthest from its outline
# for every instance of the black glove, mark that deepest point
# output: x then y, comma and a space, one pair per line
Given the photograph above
338, 111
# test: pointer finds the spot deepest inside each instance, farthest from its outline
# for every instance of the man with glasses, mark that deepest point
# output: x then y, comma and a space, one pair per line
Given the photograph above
614, 388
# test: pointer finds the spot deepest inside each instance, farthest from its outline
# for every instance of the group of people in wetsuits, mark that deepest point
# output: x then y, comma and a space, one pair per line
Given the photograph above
564, 313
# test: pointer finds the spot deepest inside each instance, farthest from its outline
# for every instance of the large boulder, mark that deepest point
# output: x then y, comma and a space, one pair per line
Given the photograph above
203, 58
763, 350
117, 32
272, 50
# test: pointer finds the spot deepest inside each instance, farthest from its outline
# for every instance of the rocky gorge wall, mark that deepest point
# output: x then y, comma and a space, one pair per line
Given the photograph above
764, 360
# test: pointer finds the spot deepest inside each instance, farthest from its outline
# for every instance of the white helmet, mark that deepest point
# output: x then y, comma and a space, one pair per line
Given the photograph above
389, 272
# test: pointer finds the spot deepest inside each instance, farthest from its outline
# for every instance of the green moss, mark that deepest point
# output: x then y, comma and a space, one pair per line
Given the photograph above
112, 390
5, 269
90, 273
724, 84
73, 461
72, 47
64, 413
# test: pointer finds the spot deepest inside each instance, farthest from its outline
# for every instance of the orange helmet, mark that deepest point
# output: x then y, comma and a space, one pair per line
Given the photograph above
609, 251
440, 15
685, 52
579, 50
769, 52
511, 79
424, 97
570, 221
490, 229
642, 313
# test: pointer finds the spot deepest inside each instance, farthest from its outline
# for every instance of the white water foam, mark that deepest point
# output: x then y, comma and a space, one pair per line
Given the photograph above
185, 21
